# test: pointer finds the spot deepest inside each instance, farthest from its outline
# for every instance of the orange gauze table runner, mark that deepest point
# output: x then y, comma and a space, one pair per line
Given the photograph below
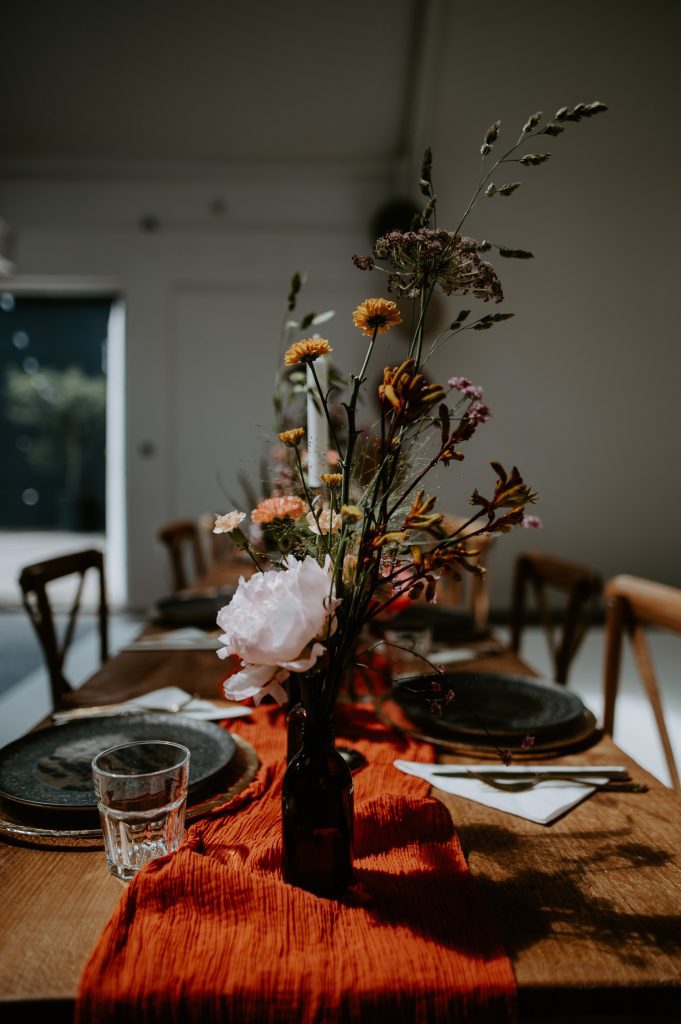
213, 933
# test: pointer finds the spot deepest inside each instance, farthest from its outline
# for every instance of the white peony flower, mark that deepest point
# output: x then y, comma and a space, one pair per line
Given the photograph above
274, 623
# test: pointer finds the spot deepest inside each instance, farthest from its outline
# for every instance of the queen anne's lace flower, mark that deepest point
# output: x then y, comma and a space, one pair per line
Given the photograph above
420, 259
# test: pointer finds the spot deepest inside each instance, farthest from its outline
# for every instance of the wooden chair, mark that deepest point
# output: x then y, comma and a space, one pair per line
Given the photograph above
631, 605
580, 588
34, 580
219, 546
180, 538
470, 592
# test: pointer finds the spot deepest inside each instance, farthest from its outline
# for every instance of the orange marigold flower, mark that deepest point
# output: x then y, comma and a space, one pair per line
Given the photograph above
408, 391
332, 479
288, 507
307, 350
291, 437
376, 315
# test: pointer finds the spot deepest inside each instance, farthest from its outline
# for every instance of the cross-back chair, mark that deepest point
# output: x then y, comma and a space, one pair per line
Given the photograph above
34, 581
579, 587
220, 546
182, 539
471, 592
632, 605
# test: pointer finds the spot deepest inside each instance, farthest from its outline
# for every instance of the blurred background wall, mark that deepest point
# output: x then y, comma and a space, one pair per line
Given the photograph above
186, 160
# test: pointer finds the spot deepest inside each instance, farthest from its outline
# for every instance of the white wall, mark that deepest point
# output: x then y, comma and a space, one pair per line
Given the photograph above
204, 304
583, 383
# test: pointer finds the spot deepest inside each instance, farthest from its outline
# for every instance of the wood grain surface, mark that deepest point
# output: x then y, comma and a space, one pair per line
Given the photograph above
588, 907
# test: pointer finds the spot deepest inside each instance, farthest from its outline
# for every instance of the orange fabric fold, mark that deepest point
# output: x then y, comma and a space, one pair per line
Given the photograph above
213, 933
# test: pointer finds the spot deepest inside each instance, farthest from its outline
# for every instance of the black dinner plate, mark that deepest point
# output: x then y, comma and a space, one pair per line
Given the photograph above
486, 703
192, 609
51, 770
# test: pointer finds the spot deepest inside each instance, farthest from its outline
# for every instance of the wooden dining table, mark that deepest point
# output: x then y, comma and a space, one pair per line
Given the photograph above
588, 908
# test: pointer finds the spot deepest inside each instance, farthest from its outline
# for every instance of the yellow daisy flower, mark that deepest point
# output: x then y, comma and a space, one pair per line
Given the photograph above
291, 437
376, 315
307, 350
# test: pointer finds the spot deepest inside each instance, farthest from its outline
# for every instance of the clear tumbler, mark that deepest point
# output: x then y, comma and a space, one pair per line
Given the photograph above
141, 790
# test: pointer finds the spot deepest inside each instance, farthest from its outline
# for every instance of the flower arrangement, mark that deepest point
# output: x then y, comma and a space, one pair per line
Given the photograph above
352, 541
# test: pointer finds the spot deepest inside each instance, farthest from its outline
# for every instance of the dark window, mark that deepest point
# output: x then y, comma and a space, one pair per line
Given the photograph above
53, 412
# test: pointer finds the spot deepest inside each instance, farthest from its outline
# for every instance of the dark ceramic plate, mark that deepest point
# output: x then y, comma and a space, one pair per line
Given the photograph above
485, 703
51, 769
193, 609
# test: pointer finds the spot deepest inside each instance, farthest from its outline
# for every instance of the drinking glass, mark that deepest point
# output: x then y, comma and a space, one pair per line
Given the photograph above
405, 650
141, 790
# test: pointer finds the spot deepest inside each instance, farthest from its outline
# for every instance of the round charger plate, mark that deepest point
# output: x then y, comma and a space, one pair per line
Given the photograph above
236, 776
580, 734
488, 703
50, 770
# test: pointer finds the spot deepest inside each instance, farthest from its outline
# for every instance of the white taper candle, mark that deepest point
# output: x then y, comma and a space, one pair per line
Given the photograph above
317, 426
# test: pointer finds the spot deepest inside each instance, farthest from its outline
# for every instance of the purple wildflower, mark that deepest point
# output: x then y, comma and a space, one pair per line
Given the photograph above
363, 262
478, 412
466, 387
532, 523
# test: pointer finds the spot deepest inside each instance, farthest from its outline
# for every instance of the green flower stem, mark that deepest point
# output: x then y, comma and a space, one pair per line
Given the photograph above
447, 335
240, 538
351, 410
448, 540
309, 499
524, 137
417, 340
417, 480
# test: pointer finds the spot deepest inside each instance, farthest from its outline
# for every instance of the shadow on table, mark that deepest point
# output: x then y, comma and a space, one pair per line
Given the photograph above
556, 893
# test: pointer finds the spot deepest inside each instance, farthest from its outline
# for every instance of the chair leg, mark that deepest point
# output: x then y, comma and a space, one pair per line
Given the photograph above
645, 667
517, 606
614, 621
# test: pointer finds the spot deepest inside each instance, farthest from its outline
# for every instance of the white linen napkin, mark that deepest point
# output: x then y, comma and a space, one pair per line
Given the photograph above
543, 803
166, 699
188, 638
170, 696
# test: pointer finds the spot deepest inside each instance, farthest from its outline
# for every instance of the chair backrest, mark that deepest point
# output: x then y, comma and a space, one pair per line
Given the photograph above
471, 592
34, 581
632, 604
219, 546
181, 537
579, 587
